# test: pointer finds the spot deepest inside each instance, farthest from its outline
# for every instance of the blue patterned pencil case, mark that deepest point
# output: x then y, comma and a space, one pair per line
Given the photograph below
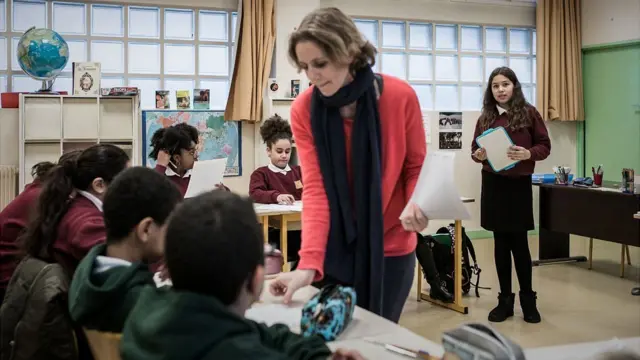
328, 312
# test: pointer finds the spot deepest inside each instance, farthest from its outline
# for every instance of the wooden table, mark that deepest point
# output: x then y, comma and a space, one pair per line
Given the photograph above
282, 217
457, 304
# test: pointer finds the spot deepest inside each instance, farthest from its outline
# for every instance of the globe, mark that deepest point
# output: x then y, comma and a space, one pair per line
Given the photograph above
42, 54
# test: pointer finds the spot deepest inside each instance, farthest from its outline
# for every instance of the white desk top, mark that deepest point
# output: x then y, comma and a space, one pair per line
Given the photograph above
583, 351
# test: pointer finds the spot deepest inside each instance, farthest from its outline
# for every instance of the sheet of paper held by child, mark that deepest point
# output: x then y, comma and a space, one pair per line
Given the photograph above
205, 176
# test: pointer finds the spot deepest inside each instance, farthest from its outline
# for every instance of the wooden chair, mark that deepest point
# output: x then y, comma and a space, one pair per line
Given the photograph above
104, 345
624, 250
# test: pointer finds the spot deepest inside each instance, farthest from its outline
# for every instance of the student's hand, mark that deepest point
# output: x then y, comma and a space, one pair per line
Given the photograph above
285, 199
518, 153
480, 154
344, 354
221, 186
413, 219
163, 158
286, 284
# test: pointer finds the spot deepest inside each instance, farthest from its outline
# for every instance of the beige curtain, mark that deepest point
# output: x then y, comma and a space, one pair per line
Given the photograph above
255, 42
559, 60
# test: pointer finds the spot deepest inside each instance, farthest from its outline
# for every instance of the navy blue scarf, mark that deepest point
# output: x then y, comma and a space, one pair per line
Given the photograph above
355, 250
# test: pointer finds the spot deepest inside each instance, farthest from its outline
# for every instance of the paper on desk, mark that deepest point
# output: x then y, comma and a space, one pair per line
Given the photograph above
436, 192
205, 176
276, 314
296, 206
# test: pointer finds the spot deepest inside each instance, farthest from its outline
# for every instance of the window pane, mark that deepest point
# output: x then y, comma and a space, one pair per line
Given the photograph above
144, 22
425, 96
420, 67
147, 88
3, 17
493, 62
447, 67
446, 37
394, 64
213, 25
534, 70
178, 24
110, 54
23, 83
77, 52
108, 82
471, 96
393, 35
14, 54
471, 68
533, 43
496, 39
446, 97
107, 20
69, 18
533, 95
421, 36
144, 58
179, 59
234, 24
369, 28
471, 38
63, 83
522, 67
3, 83
526, 90
3, 51
219, 90
213, 60
173, 85
519, 41
29, 13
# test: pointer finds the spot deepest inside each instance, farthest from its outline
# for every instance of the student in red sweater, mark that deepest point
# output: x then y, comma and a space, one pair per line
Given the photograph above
507, 197
361, 146
68, 219
15, 217
175, 150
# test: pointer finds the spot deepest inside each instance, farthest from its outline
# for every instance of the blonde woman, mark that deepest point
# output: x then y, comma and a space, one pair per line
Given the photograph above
361, 145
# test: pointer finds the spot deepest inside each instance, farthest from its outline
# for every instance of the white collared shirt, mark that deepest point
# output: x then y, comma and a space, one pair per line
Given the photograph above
276, 169
104, 263
170, 172
501, 110
97, 202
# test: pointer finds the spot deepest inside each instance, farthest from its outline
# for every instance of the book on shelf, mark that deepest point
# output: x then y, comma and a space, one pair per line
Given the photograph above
86, 78
119, 91
295, 88
201, 99
183, 100
162, 99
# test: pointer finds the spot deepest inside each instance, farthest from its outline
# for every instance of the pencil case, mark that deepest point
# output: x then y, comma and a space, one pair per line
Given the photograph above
329, 312
479, 341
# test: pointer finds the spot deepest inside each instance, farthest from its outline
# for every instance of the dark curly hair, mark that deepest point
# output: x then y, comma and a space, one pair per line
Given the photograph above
518, 105
172, 139
41, 170
275, 128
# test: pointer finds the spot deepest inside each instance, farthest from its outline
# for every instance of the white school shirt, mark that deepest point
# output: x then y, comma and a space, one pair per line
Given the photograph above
276, 169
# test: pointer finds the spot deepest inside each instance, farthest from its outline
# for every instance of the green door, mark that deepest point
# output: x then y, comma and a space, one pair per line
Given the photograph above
612, 109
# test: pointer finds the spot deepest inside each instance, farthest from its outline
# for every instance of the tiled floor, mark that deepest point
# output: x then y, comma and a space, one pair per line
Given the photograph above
577, 304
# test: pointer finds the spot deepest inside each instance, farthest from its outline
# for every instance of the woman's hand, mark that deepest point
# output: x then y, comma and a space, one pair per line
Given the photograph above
285, 199
480, 154
344, 354
163, 158
518, 153
413, 219
286, 284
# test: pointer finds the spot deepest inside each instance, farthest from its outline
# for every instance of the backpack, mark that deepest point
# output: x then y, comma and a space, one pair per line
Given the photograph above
443, 254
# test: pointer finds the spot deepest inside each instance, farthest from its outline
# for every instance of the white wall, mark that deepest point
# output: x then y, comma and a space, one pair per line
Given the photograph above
610, 21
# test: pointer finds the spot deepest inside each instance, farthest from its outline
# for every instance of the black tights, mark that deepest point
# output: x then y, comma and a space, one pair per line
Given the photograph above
516, 243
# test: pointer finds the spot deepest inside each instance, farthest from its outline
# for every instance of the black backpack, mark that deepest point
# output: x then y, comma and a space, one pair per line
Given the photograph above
443, 255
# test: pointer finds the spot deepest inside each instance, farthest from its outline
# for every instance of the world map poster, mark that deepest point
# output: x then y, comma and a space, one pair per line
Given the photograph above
218, 138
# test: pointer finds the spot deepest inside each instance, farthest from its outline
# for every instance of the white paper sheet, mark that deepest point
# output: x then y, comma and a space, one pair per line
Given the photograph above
296, 206
496, 143
271, 314
436, 192
205, 176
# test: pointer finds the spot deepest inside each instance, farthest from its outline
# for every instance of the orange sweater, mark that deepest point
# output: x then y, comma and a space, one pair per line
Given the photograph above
403, 151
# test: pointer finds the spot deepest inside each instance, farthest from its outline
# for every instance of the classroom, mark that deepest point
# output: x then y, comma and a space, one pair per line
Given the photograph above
243, 79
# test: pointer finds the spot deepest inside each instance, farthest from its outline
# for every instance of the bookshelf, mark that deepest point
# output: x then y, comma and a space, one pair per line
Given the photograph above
50, 125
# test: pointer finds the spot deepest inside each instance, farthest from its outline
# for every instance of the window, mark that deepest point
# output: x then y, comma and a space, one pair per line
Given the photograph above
193, 48
448, 65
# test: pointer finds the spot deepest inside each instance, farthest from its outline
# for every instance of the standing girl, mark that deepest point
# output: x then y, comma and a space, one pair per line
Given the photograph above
507, 196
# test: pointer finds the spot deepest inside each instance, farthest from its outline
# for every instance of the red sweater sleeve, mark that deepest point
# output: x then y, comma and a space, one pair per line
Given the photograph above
259, 191
416, 145
541, 143
315, 213
160, 169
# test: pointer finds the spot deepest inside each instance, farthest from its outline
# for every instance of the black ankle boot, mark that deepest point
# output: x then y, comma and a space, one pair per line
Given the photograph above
504, 310
439, 292
529, 309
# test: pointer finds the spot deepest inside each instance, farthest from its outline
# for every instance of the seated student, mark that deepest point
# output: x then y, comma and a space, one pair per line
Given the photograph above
106, 284
15, 216
215, 255
175, 150
68, 219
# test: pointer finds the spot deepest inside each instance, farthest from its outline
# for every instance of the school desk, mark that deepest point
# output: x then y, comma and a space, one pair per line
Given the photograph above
279, 216
597, 213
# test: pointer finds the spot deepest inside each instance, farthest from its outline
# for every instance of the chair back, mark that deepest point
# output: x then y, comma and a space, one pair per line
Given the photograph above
104, 345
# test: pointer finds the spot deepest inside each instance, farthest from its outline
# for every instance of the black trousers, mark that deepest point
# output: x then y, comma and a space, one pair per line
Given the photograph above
516, 244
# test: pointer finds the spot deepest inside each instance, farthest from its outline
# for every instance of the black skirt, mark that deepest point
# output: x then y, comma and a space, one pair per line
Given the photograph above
506, 203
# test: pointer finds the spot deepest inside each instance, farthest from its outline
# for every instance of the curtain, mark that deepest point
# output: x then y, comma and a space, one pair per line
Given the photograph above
559, 91
254, 51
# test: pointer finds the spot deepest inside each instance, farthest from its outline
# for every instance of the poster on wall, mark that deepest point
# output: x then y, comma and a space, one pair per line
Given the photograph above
217, 138
450, 130
450, 140
450, 121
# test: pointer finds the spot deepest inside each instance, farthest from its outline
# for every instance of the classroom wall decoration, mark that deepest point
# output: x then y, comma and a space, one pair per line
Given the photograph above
450, 126
218, 138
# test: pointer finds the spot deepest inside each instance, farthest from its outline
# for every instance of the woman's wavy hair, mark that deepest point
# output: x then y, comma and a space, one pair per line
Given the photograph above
518, 105
338, 37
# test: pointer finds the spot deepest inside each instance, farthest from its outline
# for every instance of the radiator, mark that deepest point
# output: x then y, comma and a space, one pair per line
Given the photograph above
8, 184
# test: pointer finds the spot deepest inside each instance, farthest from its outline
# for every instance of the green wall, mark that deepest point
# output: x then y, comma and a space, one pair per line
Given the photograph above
610, 134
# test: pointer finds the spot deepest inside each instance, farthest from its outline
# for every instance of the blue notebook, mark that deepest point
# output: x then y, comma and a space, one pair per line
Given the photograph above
496, 142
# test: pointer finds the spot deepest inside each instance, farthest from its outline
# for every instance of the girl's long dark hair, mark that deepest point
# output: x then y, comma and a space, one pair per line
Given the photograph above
40, 170
172, 139
518, 105
98, 161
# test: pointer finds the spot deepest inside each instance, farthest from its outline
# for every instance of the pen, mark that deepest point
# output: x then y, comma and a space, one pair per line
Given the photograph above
416, 354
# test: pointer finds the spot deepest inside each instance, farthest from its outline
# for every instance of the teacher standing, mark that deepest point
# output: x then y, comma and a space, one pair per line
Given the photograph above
361, 145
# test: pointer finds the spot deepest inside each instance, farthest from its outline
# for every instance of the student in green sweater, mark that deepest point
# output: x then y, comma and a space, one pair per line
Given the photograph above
107, 283
215, 256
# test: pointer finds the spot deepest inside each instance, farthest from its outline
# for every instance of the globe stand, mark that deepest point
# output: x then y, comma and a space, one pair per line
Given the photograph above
47, 86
